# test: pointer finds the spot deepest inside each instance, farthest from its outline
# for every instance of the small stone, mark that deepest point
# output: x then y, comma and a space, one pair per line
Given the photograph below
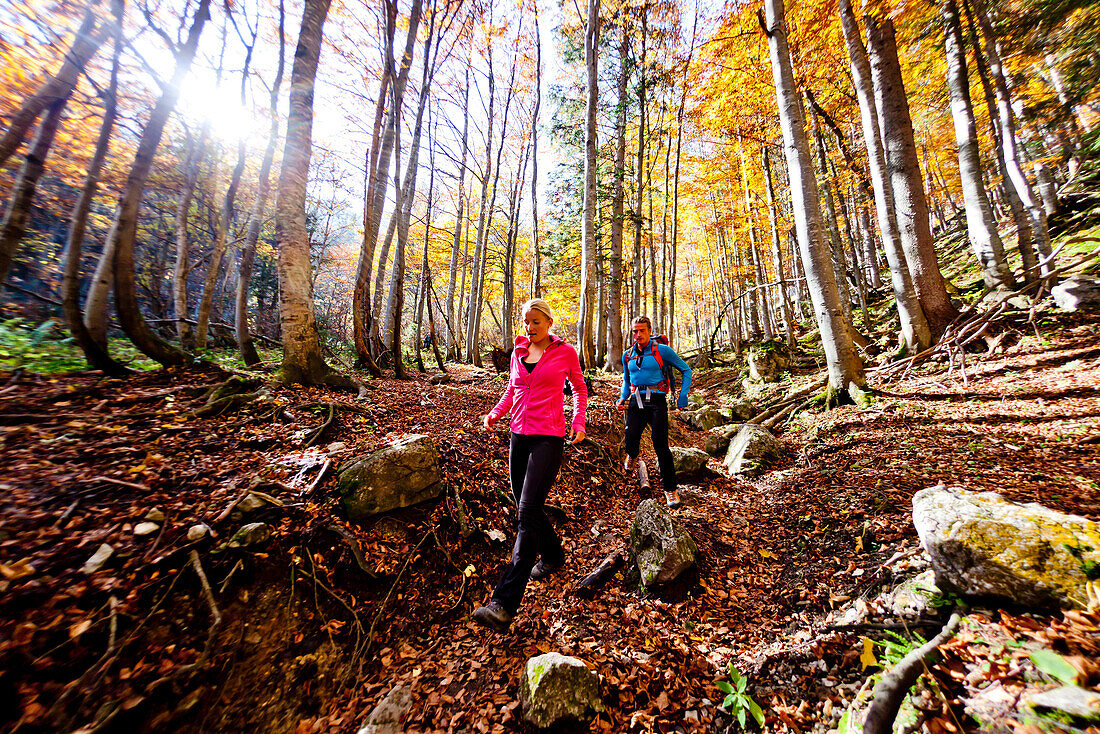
145, 528
335, 447
557, 689
100, 557
251, 534
197, 532
154, 515
386, 716
1073, 700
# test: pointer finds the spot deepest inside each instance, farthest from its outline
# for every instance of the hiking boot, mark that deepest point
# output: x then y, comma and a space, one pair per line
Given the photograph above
672, 499
542, 570
493, 616
630, 463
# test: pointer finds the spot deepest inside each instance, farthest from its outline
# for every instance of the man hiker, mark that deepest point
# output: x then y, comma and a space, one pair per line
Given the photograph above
647, 379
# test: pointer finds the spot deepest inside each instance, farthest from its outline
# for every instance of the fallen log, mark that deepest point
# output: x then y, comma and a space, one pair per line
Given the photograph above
586, 587
643, 478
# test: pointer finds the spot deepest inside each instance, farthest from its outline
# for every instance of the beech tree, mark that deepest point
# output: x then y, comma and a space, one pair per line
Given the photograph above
846, 378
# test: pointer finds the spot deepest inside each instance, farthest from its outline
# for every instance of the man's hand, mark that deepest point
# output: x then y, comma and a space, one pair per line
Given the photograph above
621, 405
575, 437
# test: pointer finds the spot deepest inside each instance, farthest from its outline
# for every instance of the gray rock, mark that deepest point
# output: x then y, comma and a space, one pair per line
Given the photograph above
145, 528
742, 410
1079, 293
336, 447
401, 474
154, 515
1073, 700
252, 534
912, 597
983, 545
689, 462
197, 532
709, 417
248, 504
751, 449
661, 546
386, 717
768, 360
718, 441
102, 554
441, 379
558, 689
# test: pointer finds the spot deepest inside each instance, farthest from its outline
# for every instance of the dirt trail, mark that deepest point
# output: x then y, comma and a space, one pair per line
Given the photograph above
778, 552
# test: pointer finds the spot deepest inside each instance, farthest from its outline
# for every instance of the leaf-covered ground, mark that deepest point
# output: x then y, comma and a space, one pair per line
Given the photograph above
297, 636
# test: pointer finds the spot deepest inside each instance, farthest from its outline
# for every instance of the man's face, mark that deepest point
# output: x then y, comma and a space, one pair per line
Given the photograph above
641, 333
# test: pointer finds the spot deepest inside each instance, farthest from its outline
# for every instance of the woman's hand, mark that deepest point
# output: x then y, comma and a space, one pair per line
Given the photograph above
575, 437
487, 421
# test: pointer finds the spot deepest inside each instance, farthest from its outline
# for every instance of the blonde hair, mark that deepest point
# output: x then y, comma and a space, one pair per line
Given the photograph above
537, 304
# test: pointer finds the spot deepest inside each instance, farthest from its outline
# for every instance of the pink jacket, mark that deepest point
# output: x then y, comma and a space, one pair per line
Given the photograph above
536, 399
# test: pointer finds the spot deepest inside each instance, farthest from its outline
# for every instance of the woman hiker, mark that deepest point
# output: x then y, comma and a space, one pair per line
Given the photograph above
541, 363
645, 385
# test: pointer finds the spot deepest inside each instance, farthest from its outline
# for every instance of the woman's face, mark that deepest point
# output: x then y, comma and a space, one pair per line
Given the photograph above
537, 325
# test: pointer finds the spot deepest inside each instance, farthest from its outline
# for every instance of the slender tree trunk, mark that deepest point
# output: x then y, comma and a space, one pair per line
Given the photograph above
245, 344
1012, 156
777, 251
845, 368
89, 37
182, 267
639, 220
536, 255
618, 209
980, 225
18, 213
473, 318
302, 360
95, 354
588, 236
125, 234
910, 204
457, 242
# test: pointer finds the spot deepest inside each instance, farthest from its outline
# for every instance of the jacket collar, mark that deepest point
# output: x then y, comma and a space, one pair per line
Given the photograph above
522, 342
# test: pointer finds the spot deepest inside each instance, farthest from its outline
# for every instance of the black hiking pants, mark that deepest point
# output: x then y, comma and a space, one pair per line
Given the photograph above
653, 413
533, 464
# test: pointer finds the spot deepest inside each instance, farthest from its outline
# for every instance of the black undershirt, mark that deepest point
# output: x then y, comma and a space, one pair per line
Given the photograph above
529, 365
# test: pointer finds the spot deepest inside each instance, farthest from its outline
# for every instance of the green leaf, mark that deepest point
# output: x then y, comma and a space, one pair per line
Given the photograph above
725, 687
1054, 665
741, 685
757, 714
729, 700
741, 717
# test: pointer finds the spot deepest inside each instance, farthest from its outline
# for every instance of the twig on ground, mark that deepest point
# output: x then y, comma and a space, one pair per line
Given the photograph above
382, 606
121, 483
353, 546
317, 433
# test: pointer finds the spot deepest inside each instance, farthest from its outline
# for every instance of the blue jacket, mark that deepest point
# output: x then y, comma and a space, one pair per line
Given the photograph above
648, 373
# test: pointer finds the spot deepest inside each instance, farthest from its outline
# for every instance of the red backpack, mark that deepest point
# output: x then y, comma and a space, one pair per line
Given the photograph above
668, 384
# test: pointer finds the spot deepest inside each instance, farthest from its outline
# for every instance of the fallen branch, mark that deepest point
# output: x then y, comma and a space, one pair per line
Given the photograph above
120, 483
316, 434
353, 546
586, 587
888, 694
643, 478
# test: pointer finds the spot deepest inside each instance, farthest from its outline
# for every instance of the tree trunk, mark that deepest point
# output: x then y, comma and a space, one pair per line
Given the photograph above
125, 234
903, 170
845, 368
89, 37
639, 220
302, 360
245, 345
777, 252
14, 226
536, 255
182, 267
452, 278
588, 235
914, 325
980, 225
473, 318
618, 208
96, 355
1012, 157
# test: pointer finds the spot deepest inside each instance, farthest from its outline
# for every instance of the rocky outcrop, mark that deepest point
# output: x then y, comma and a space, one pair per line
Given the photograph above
557, 689
663, 548
983, 545
1079, 293
401, 474
690, 463
752, 449
718, 439
768, 360
386, 717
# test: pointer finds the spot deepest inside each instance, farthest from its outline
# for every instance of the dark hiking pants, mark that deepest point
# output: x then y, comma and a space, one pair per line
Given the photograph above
533, 464
653, 413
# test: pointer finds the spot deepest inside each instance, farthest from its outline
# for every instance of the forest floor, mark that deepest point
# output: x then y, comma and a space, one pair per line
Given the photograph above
296, 636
